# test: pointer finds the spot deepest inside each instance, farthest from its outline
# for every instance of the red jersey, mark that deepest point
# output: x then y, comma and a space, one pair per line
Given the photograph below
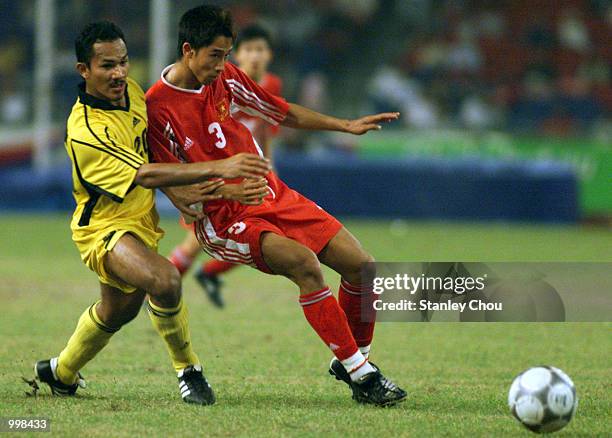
198, 125
273, 85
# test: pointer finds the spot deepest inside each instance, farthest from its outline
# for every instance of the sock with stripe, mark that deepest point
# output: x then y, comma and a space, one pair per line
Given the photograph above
180, 260
90, 336
216, 267
173, 326
365, 351
357, 303
329, 321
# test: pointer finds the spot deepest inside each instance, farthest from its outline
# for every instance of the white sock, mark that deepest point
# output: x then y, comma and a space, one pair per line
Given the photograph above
357, 366
365, 351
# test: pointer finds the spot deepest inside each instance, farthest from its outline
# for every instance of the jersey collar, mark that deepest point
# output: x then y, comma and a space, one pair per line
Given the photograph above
105, 105
186, 90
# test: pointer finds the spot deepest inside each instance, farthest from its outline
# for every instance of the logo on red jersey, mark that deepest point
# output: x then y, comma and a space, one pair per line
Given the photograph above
188, 143
222, 110
173, 143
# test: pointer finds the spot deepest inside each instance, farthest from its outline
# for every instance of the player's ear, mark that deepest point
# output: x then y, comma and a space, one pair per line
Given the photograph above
82, 69
188, 51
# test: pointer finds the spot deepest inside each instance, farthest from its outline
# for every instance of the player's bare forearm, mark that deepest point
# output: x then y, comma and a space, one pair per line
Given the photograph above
303, 118
153, 175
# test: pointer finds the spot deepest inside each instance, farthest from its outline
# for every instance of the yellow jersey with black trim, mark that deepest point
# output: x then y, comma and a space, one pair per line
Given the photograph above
107, 145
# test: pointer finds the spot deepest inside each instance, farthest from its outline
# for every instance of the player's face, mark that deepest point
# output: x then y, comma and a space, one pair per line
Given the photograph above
254, 56
106, 74
207, 63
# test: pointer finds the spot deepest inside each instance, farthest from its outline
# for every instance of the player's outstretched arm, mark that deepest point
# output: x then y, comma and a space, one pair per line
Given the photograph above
153, 175
304, 118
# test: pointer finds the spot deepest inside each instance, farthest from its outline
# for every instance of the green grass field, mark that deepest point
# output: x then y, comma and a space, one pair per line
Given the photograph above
268, 367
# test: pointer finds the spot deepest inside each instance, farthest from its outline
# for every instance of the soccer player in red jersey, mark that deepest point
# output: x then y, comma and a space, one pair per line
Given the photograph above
190, 119
253, 52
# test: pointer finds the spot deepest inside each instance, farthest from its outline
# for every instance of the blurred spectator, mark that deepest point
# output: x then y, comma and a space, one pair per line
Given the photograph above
389, 90
14, 105
476, 113
572, 31
463, 55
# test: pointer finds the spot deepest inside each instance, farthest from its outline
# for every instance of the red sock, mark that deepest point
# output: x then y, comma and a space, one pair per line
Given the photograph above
216, 267
329, 321
181, 260
356, 301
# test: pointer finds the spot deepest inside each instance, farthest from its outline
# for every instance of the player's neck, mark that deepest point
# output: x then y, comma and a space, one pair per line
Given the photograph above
92, 92
181, 76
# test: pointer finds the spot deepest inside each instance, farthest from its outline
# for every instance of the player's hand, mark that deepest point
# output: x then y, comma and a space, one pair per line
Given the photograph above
185, 197
248, 192
370, 123
243, 165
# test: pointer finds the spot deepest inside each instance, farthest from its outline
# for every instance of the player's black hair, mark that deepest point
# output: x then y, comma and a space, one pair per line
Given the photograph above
253, 32
92, 33
200, 26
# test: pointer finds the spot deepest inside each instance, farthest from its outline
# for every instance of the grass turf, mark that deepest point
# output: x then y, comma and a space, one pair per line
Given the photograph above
267, 366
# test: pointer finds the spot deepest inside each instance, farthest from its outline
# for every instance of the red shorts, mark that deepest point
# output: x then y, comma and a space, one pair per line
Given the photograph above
289, 214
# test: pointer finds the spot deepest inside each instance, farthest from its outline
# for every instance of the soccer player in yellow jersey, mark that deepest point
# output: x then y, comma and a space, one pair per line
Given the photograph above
115, 224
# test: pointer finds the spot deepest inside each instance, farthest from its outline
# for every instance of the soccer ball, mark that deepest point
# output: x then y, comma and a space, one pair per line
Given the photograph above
543, 399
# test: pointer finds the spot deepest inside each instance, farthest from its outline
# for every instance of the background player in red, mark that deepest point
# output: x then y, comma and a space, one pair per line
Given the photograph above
253, 53
287, 234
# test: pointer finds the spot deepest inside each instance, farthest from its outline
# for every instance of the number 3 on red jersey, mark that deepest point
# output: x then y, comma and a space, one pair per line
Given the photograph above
215, 128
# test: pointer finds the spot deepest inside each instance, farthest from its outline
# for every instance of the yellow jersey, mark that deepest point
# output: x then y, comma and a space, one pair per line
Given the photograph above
107, 144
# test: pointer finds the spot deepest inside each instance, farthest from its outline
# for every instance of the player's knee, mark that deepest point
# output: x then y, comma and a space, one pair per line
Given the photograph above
306, 267
367, 269
362, 270
166, 284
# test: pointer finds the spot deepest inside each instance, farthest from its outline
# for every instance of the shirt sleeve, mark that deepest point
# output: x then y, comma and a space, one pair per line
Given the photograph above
250, 98
104, 165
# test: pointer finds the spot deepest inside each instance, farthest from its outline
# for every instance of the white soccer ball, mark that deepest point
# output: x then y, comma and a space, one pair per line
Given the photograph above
543, 399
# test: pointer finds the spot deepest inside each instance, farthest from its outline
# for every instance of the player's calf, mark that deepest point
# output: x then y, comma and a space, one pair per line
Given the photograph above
117, 308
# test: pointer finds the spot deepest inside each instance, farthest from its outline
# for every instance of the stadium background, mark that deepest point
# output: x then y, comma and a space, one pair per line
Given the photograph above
505, 106
503, 153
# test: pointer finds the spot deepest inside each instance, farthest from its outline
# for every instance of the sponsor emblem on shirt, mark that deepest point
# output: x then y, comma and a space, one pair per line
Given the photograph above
222, 110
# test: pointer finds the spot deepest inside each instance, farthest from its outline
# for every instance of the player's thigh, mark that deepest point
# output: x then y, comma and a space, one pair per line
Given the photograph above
287, 257
116, 307
137, 265
345, 255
